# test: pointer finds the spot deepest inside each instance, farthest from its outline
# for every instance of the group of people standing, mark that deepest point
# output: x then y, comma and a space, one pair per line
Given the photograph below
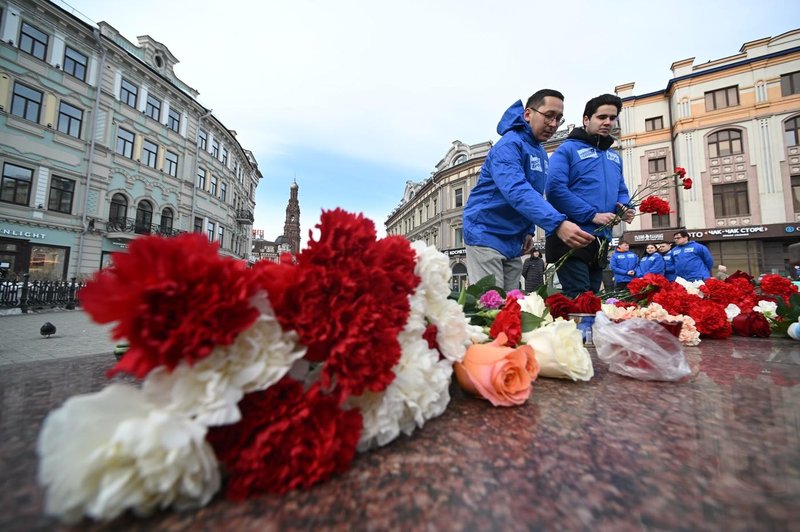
585, 195
582, 181
688, 259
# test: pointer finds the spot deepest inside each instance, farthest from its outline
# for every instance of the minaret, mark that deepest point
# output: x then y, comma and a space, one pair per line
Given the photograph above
291, 227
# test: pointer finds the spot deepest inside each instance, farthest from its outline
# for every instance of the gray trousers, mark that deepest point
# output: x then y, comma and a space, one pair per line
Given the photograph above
483, 261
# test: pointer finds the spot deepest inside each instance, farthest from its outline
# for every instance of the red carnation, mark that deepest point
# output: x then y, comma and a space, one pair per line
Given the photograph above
287, 438
648, 285
710, 319
751, 324
508, 321
654, 205
560, 306
174, 299
430, 334
720, 291
587, 303
675, 300
681, 172
778, 286
687, 183
739, 274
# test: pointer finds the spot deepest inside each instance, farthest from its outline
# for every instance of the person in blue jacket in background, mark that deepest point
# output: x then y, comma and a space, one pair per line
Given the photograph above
506, 204
585, 182
623, 263
692, 260
665, 249
651, 262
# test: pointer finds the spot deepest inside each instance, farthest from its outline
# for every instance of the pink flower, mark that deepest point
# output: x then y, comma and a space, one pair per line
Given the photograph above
491, 299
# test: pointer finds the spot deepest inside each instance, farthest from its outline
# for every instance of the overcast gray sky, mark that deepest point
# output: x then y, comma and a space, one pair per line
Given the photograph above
355, 97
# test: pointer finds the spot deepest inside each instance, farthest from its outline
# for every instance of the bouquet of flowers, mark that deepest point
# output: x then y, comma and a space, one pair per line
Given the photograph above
270, 377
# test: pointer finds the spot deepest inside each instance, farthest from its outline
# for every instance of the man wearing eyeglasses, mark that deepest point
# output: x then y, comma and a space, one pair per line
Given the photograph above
692, 260
585, 182
506, 204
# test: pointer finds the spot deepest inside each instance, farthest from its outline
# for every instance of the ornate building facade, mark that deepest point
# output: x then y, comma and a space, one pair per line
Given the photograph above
734, 125
101, 142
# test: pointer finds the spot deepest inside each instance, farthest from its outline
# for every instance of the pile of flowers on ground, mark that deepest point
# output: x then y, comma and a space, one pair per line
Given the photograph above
269, 378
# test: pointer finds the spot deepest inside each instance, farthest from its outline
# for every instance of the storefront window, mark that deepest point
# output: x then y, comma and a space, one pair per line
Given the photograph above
48, 263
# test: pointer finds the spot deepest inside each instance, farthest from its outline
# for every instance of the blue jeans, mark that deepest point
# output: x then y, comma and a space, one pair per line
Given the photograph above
577, 277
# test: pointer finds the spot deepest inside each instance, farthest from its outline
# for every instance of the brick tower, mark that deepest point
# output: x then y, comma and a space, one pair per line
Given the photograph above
291, 227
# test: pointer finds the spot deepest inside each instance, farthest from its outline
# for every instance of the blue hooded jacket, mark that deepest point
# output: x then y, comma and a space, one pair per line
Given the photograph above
621, 263
653, 263
692, 261
669, 267
585, 179
507, 204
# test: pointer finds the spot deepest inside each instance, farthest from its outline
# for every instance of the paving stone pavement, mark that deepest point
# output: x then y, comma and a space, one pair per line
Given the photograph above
76, 336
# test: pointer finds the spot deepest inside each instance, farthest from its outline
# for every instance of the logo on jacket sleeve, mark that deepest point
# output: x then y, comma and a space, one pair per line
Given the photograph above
587, 153
536, 164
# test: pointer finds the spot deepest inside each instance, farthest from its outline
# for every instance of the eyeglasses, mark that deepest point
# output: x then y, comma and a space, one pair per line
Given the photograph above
679, 236
551, 118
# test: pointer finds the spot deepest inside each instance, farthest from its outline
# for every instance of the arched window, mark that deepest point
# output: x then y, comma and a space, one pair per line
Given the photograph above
119, 209
166, 221
459, 159
792, 128
144, 217
459, 278
725, 142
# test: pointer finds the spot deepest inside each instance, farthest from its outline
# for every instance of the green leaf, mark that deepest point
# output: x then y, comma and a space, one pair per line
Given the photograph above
530, 321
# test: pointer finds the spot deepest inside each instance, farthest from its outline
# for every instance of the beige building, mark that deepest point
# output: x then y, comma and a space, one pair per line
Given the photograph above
101, 142
431, 209
734, 125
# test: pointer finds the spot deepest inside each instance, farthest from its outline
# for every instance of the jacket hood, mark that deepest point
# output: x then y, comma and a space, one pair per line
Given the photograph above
597, 141
514, 118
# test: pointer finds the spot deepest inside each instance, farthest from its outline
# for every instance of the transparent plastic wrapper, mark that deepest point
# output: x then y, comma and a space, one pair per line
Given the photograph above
639, 348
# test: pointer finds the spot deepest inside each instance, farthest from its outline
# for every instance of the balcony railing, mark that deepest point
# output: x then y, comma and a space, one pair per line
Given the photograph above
130, 225
244, 216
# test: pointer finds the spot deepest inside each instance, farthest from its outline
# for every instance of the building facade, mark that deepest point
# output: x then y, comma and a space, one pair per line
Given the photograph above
431, 210
100, 142
734, 125
289, 241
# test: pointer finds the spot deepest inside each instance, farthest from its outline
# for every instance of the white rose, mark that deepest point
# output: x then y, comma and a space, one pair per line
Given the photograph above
559, 350
534, 304
767, 308
104, 453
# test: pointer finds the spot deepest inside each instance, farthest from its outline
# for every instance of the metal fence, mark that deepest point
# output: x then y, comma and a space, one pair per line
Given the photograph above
39, 294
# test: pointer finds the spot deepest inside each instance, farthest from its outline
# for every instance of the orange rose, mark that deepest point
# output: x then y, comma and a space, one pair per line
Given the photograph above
500, 374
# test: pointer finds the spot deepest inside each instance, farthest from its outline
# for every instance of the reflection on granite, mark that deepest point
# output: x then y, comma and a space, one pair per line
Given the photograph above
720, 449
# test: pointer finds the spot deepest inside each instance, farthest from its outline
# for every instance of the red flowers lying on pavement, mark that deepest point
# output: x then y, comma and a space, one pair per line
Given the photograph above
751, 324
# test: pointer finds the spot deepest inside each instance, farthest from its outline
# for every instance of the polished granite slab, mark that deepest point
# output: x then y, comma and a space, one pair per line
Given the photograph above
719, 450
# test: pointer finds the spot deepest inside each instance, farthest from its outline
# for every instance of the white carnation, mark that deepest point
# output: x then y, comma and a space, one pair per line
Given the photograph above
210, 389
731, 311
454, 333
102, 454
433, 269
693, 287
558, 348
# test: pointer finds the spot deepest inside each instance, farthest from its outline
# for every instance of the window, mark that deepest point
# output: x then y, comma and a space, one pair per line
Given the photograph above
26, 102
225, 156
61, 192
128, 92
119, 208
459, 237
149, 153
459, 197
171, 163
153, 109
33, 41
70, 119
651, 124
660, 220
125, 143
722, 98
726, 142
221, 236
420, 216
210, 230
215, 148
198, 225
174, 120
435, 206
213, 185
657, 166
790, 83
792, 128
201, 178
48, 262
166, 221
223, 191
731, 200
144, 218
75, 63
460, 159
796, 192
16, 184
202, 139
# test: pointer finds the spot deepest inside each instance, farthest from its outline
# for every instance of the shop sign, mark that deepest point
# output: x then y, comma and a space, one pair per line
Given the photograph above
24, 234
455, 252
